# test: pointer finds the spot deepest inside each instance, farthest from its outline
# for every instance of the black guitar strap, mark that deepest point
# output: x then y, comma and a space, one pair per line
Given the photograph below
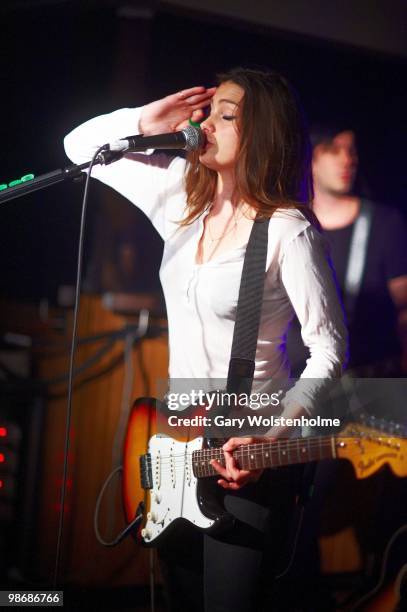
246, 330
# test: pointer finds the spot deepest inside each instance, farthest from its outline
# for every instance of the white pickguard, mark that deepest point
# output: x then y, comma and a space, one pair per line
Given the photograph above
174, 492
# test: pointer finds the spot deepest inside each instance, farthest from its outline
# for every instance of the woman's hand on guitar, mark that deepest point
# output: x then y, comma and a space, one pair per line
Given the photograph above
233, 478
173, 112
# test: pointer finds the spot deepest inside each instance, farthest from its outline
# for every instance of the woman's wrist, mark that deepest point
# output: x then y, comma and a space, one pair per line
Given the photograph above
143, 125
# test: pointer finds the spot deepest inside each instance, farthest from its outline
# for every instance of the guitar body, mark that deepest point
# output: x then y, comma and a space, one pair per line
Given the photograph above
174, 481
390, 592
157, 471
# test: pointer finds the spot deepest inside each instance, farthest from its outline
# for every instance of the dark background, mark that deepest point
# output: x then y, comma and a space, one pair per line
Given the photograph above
64, 62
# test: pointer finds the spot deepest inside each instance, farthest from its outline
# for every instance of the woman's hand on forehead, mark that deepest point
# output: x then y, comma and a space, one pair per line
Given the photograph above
173, 112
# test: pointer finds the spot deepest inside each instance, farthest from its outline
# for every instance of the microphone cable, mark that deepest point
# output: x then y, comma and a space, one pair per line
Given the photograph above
71, 368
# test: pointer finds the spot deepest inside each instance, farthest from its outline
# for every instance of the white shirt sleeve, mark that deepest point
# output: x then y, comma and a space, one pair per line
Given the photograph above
154, 183
309, 281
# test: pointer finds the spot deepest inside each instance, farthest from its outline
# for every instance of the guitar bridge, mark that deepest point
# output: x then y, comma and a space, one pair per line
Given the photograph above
146, 474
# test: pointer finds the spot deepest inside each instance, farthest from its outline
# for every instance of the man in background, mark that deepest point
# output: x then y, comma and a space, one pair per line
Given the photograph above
369, 251
368, 243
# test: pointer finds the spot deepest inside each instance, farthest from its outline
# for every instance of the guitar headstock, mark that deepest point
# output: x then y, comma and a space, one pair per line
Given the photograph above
372, 443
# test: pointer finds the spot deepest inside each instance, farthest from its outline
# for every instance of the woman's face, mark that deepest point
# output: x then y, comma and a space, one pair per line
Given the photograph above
221, 128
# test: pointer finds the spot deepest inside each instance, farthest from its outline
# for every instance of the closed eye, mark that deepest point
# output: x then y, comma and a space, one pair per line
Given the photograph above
228, 117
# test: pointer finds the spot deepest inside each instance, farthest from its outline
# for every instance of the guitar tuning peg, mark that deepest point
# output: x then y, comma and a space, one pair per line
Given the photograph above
395, 427
391, 427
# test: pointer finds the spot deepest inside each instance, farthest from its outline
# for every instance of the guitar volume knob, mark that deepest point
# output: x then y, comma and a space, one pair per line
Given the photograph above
152, 516
146, 534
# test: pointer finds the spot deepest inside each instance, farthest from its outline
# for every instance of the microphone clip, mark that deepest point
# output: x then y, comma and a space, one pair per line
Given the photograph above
107, 156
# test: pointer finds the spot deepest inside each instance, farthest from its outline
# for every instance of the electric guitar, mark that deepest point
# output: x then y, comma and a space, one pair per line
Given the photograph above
389, 594
173, 477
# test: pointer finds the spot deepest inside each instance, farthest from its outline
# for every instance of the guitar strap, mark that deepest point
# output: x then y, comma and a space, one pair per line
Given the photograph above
246, 330
357, 257
248, 312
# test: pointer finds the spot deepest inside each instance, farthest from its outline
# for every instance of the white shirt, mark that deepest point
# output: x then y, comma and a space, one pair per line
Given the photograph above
201, 299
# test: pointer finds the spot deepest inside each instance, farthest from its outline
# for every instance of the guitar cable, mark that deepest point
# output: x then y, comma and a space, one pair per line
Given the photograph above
125, 406
305, 494
133, 524
131, 340
294, 545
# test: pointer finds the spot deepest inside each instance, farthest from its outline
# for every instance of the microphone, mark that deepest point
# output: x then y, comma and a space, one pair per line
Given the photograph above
190, 138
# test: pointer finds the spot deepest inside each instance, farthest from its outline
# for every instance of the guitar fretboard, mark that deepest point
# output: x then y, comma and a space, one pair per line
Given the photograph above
266, 454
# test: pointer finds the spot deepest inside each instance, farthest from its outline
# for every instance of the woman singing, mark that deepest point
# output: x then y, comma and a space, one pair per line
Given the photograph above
255, 162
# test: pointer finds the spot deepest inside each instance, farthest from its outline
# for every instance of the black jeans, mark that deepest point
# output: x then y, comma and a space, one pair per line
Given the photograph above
234, 570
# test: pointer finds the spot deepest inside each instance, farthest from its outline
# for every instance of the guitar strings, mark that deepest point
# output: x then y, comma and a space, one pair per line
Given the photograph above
274, 444
244, 450
190, 461
253, 457
276, 448
190, 464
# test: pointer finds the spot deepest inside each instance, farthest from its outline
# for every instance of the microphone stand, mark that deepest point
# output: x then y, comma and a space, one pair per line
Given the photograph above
73, 172
190, 139
103, 155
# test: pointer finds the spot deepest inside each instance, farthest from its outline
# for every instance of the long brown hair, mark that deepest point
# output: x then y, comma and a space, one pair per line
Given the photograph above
273, 163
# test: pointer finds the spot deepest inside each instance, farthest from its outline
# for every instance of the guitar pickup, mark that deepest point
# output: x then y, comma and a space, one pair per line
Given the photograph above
146, 474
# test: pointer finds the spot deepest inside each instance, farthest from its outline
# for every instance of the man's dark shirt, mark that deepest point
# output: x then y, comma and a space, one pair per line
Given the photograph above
373, 326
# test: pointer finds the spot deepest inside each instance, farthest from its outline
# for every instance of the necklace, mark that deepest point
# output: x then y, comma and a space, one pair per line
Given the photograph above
229, 231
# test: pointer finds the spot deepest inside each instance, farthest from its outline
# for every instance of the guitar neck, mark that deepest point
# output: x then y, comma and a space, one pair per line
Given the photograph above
267, 454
